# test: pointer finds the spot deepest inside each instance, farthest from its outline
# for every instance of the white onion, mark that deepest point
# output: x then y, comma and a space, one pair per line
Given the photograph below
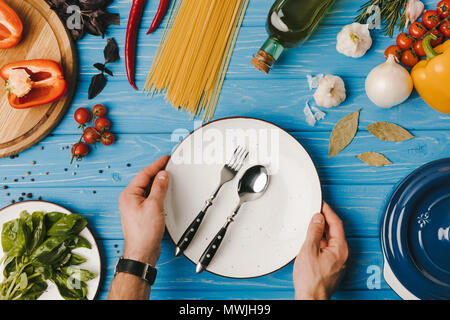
388, 84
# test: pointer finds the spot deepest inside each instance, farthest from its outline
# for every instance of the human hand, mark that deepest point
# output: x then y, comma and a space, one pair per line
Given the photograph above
141, 207
320, 263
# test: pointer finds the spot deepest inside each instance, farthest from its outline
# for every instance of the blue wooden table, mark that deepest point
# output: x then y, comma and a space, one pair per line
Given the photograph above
144, 128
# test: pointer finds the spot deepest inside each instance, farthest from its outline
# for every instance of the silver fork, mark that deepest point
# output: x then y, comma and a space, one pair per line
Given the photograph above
228, 172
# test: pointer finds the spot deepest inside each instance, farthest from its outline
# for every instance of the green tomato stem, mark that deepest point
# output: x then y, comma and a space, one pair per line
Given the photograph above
429, 51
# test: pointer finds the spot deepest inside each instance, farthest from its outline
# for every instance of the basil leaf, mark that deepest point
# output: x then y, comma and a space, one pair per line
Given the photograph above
52, 217
79, 274
76, 259
97, 85
15, 236
50, 250
39, 231
111, 51
69, 288
71, 224
79, 242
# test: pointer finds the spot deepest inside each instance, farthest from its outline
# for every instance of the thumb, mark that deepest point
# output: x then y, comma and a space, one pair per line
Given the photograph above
159, 189
315, 231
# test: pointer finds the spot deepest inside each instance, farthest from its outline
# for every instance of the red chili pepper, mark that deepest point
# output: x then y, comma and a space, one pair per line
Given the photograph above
162, 10
130, 41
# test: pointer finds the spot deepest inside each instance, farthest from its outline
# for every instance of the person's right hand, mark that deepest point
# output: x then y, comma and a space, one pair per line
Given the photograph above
141, 207
320, 264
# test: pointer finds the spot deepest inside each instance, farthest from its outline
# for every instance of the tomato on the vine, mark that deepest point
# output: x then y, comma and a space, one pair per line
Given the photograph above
108, 138
404, 41
80, 150
417, 30
443, 8
440, 38
430, 19
99, 110
409, 58
445, 28
395, 51
82, 116
102, 124
91, 136
418, 48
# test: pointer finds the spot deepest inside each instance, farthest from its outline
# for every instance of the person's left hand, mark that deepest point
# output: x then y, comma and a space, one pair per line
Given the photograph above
141, 207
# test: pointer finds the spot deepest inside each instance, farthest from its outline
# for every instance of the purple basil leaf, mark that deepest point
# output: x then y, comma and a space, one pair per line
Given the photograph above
91, 4
98, 83
111, 51
100, 66
107, 71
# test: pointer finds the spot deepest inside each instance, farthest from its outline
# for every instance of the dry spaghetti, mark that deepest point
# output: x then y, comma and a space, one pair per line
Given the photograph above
194, 54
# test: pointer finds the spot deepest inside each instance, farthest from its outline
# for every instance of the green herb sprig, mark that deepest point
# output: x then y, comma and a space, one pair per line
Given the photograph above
391, 14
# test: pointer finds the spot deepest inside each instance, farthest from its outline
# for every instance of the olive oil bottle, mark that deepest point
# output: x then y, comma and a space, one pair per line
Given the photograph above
289, 24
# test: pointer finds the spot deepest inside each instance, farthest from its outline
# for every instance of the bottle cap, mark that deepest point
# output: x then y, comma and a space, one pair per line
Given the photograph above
267, 55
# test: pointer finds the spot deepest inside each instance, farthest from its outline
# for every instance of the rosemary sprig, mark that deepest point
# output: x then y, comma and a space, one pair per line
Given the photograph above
391, 14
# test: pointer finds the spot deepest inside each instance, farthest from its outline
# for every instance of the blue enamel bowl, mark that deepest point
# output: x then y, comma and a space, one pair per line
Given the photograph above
415, 233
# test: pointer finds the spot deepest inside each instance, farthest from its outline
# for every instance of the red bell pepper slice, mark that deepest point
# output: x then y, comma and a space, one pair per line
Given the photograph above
47, 78
10, 27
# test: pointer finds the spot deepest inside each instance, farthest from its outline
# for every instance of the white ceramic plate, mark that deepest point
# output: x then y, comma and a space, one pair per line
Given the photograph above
92, 256
267, 233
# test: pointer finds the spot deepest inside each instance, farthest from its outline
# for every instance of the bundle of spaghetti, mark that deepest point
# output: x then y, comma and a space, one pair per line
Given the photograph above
194, 54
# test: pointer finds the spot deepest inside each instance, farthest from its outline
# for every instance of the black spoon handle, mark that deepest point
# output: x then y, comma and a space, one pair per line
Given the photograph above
211, 250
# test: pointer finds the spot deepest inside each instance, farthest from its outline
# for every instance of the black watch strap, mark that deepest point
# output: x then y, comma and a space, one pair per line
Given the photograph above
139, 269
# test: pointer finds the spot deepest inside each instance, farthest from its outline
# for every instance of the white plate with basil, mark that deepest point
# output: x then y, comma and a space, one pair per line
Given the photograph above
47, 253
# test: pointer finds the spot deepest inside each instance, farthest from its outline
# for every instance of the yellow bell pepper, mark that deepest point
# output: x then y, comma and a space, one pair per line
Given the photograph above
432, 76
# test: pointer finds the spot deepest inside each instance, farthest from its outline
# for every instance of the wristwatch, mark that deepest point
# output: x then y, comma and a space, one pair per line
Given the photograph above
139, 269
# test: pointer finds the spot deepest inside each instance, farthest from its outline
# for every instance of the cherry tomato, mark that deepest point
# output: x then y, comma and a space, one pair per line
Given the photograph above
82, 116
445, 28
91, 136
409, 58
430, 19
107, 138
395, 51
417, 30
99, 110
443, 8
80, 150
418, 48
404, 41
440, 38
102, 124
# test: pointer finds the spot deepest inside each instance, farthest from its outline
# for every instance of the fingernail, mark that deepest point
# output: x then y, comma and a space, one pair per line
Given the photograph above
317, 218
162, 175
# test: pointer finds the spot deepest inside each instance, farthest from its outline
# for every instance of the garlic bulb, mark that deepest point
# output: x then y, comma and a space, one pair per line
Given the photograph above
388, 84
414, 9
354, 40
331, 91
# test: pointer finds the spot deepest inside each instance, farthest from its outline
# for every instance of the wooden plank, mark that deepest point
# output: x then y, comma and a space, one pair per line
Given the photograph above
361, 207
176, 275
342, 12
279, 101
140, 150
317, 55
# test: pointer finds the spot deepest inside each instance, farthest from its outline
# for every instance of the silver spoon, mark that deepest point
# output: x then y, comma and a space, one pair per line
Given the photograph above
251, 186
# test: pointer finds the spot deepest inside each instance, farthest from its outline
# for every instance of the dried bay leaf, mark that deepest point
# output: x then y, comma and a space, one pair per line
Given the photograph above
389, 131
374, 159
343, 133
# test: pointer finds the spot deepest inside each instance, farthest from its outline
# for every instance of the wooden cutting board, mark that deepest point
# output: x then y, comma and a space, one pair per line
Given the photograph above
44, 37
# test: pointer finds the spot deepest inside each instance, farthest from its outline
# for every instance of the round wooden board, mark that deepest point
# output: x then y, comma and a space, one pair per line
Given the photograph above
44, 37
